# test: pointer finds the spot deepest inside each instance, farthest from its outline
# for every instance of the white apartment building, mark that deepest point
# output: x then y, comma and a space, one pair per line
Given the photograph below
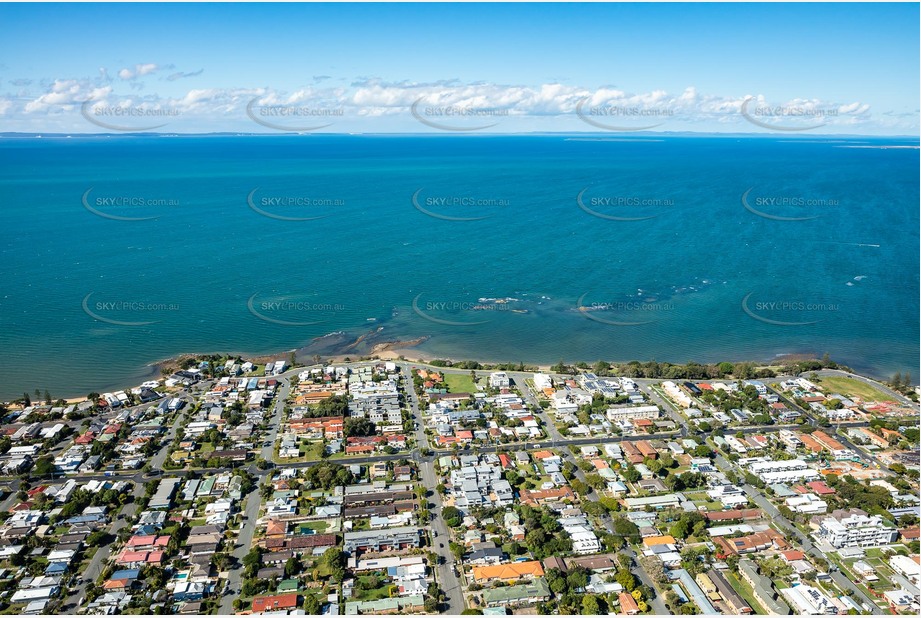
856, 530
807, 503
789, 471
542, 381
499, 379
808, 600
630, 413
677, 394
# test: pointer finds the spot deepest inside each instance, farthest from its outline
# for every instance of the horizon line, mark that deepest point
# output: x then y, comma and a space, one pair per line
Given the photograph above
618, 138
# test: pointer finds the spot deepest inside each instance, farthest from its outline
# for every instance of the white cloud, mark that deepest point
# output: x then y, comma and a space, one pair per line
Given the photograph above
553, 104
65, 94
139, 70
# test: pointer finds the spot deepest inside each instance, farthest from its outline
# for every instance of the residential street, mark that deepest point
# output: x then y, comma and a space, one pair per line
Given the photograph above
445, 570
98, 561
445, 573
241, 548
788, 527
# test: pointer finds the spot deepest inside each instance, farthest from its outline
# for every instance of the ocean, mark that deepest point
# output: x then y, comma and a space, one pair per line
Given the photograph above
121, 251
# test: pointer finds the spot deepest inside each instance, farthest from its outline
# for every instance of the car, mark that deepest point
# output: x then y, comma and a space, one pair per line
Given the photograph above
441, 545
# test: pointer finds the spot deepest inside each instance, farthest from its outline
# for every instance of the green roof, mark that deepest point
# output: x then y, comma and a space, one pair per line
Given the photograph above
288, 585
507, 594
206, 487
383, 605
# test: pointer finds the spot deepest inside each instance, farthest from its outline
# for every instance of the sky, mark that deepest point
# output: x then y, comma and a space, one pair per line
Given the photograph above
823, 68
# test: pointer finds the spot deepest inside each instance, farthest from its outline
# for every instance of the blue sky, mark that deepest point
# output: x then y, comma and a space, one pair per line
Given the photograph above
804, 68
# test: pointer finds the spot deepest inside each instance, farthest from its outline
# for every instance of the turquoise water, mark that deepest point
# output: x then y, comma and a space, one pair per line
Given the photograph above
207, 264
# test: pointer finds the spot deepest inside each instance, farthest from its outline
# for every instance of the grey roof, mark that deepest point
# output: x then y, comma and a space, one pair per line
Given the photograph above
764, 588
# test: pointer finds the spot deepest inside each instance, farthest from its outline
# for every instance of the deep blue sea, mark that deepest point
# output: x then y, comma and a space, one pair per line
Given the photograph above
525, 248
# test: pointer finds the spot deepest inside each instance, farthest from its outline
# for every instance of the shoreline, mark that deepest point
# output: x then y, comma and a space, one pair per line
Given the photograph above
391, 351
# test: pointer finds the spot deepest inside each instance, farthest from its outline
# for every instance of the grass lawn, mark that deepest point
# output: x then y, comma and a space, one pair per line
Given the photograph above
313, 450
460, 383
851, 388
883, 572
745, 592
373, 595
874, 552
318, 526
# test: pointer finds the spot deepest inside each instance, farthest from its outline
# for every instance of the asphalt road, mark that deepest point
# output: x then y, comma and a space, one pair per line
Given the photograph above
242, 546
413, 400
441, 538
520, 381
444, 572
805, 542
284, 390
658, 606
98, 561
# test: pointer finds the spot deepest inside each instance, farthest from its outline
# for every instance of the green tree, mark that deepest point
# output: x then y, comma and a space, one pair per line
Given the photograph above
579, 487
626, 529
577, 579
679, 530
632, 474
359, 427
590, 606
626, 579
251, 562
451, 516
292, 567
311, 604
332, 563
44, 466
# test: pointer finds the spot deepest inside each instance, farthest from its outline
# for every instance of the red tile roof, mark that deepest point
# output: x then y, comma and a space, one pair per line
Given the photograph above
627, 604
281, 601
733, 514
820, 488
